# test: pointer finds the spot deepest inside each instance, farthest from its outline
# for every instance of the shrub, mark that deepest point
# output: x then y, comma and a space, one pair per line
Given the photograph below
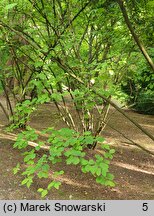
145, 103
64, 144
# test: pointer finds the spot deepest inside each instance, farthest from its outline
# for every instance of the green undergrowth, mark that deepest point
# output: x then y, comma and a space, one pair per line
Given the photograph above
64, 144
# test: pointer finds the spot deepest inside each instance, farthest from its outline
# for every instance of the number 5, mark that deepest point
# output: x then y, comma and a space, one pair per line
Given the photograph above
145, 207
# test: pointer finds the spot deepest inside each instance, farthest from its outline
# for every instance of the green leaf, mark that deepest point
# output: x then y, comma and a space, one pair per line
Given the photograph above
45, 167
61, 172
89, 140
98, 172
57, 184
93, 169
104, 172
39, 64
73, 160
25, 181
87, 168
99, 158
66, 132
107, 155
109, 176
16, 169
50, 185
37, 148
76, 152
112, 151
100, 139
109, 183
83, 161
40, 190
105, 146
69, 160
44, 193
104, 166
42, 174
30, 162
100, 180
10, 6
76, 160
91, 162
87, 133
29, 183
83, 169
54, 184
30, 156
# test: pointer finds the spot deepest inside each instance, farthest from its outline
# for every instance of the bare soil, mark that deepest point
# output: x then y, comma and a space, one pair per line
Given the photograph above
133, 168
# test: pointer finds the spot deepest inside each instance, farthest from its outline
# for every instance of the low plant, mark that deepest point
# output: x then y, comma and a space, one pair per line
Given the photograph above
64, 144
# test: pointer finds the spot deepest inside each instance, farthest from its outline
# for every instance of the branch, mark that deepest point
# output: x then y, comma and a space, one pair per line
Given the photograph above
124, 114
132, 142
105, 99
5, 112
136, 39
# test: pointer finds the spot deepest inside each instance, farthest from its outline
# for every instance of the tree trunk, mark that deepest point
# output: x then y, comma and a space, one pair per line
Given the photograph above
136, 39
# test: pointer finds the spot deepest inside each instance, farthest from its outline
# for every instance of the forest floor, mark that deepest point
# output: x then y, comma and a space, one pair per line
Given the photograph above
133, 168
